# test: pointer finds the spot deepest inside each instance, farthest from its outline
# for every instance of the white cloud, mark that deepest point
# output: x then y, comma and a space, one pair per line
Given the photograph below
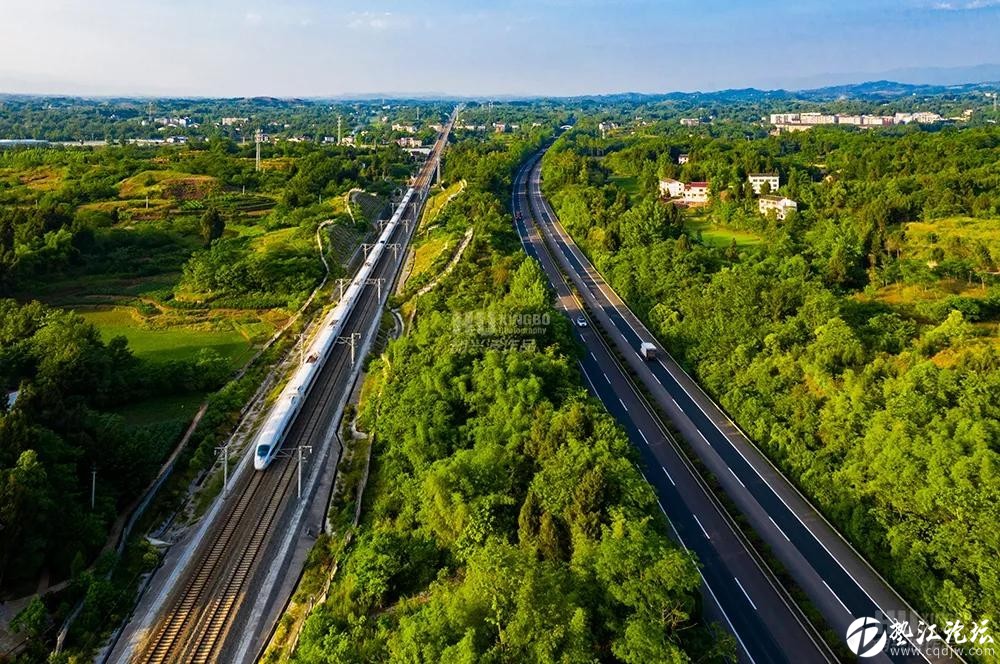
375, 21
969, 5
253, 18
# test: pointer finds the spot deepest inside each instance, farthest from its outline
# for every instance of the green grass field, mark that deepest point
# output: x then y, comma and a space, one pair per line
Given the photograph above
716, 235
180, 342
165, 409
275, 240
630, 185
437, 202
153, 184
99, 289
427, 253
950, 234
38, 179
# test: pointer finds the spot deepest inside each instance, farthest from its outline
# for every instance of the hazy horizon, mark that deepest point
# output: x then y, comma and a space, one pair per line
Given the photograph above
307, 48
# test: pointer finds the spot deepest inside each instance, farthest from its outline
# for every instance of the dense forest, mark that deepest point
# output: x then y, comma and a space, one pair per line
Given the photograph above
59, 429
856, 340
133, 282
506, 521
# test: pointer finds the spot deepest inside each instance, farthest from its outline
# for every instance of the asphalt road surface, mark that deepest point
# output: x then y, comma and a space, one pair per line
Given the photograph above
838, 581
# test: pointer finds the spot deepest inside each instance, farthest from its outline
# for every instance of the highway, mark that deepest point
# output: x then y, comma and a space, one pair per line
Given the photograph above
835, 577
738, 591
213, 604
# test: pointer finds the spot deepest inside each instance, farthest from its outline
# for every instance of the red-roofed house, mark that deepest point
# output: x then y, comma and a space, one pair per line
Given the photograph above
696, 193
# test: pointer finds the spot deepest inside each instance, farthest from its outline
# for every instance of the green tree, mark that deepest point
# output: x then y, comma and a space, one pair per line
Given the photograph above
212, 225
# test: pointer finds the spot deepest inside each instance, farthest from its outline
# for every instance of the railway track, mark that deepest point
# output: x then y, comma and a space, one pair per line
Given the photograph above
199, 617
195, 625
261, 493
200, 614
217, 623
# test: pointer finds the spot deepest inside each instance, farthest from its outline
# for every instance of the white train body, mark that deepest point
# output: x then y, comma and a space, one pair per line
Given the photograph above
279, 420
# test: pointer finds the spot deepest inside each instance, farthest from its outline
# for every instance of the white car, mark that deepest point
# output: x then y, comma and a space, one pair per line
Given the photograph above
581, 321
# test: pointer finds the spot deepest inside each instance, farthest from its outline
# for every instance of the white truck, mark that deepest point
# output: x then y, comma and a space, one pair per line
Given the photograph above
647, 350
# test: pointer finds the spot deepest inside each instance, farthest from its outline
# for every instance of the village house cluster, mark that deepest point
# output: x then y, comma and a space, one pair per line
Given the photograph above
764, 185
803, 121
691, 193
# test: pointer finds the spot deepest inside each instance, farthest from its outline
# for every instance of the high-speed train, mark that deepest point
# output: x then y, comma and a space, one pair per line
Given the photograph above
279, 419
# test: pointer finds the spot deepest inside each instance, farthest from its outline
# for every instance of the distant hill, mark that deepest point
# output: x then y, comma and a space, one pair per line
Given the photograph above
883, 89
868, 91
923, 76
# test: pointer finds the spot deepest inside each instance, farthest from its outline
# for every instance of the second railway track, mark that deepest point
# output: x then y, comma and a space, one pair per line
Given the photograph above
200, 613
261, 493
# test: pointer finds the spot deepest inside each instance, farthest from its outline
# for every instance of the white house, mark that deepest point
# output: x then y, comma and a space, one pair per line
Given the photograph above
683, 159
696, 193
779, 204
757, 181
409, 142
671, 188
817, 118
925, 117
877, 120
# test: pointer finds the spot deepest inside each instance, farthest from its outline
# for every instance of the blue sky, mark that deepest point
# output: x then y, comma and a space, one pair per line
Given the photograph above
316, 47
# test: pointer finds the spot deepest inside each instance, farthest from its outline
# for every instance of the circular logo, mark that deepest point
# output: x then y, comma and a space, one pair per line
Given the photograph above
866, 637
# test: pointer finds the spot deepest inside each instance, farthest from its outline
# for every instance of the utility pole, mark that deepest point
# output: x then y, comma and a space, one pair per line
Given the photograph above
224, 450
377, 283
259, 136
395, 249
340, 131
93, 486
352, 340
340, 282
300, 448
